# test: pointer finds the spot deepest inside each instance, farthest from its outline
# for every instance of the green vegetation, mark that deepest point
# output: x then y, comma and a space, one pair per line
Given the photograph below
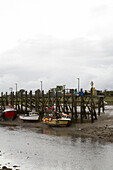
109, 100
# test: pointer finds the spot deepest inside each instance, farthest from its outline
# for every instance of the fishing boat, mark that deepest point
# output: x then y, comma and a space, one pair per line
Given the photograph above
58, 120
31, 116
8, 112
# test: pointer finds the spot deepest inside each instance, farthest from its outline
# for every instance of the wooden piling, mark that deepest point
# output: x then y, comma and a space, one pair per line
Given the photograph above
66, 101
56, 100
72, 100
2, 100
6, 99
75, 104
21, 101
26, 101
30, 98
16, 100
42, 112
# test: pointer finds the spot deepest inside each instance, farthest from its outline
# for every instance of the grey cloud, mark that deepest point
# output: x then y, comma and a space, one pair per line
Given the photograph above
58, 62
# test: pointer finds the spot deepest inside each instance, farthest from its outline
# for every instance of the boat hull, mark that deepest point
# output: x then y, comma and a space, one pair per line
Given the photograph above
57, 122
29, 118
9, 112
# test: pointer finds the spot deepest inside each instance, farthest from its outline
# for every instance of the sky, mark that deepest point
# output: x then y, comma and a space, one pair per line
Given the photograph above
56, 42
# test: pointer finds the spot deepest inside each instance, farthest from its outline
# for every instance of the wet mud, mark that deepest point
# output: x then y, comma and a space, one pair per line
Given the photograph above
101, 129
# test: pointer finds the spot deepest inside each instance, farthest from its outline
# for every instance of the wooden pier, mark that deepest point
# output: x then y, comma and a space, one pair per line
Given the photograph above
81, 107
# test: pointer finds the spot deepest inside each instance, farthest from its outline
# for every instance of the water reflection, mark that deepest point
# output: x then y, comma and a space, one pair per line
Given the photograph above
48, 149
51, 131
109, 109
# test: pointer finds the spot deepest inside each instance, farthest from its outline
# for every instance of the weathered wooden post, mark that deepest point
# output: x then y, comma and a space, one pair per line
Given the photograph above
36, 103
67, 101
16, 99
103, 108
21, 100
2, 102
81, 106
75, 104
49, 99
26, 100
42, 113
6, 99
72, 104
53, 100
37, 109
100, 104
38, 106
92, 120
30, 96
56, 100
64, 101
12, 98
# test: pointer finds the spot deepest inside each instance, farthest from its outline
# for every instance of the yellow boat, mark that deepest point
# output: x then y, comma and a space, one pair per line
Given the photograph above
64, 120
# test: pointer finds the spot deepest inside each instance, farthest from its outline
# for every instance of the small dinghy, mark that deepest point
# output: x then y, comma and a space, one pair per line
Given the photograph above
31, 116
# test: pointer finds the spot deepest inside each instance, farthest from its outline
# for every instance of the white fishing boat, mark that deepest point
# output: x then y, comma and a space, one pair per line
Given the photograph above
29, 117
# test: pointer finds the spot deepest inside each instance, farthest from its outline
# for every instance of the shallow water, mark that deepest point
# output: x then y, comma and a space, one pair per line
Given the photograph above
36, 149
109, 110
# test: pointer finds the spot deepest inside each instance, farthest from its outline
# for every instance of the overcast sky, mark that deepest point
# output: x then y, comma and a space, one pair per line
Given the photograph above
56, 41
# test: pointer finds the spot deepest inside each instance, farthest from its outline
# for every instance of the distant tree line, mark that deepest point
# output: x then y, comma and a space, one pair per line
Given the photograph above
107, 93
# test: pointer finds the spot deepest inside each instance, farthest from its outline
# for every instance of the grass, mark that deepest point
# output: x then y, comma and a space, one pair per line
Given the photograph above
109, 100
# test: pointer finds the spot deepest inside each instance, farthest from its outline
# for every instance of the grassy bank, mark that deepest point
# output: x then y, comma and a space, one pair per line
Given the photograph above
109, 100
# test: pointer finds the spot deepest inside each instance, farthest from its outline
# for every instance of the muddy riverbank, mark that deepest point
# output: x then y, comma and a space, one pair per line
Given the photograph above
28, 145
101, 129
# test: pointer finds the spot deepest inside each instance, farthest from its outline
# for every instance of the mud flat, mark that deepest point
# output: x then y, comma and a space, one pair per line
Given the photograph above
101, 129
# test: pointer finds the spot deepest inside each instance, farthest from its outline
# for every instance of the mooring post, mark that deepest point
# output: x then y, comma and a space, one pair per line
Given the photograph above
42, 114
49, 99
30, 95
16, 99
56, 100
72, 104
75, 104
67, 101
26, 101
12, 98
6, 99
21, 98
92, 120
53, 99
99, 106
36, 103
103, 108
38, 95
2, 102
64, 100
81, 106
